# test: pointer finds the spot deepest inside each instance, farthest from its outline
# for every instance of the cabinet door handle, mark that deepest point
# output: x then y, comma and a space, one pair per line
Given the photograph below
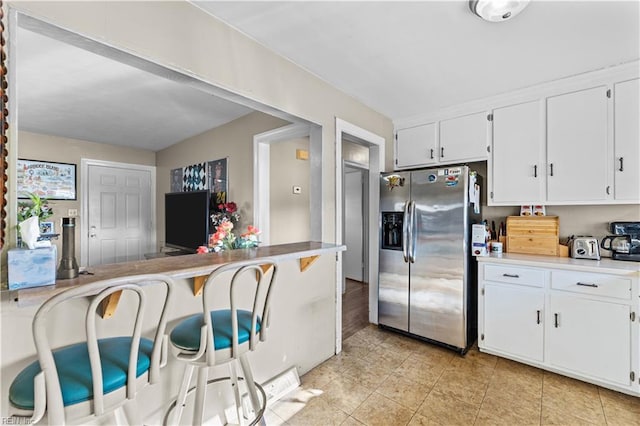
511, 275
587, 284
442, 152
621, 164
551, 167
538, 316
555, 320
432, 153
608, 190
535, 171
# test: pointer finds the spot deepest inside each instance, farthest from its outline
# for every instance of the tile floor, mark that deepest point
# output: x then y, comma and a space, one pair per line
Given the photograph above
385, 379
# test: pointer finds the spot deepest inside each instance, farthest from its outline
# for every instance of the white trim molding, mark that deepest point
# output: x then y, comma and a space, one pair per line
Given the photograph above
376, 145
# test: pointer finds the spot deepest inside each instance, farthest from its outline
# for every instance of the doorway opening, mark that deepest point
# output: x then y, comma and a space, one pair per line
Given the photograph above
355, 296
267, 186
360, 149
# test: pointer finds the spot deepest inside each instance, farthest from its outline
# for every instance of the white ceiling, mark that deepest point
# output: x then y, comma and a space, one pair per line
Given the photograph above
400, 58
410, 58
70, 92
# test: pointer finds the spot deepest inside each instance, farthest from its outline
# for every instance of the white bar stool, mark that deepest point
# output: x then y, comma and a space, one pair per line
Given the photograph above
96, 376
222, 336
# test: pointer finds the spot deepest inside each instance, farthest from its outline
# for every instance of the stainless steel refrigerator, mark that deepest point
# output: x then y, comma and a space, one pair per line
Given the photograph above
427, 280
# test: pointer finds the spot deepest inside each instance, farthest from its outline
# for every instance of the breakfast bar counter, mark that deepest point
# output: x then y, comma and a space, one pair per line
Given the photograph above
185, 266
305, 313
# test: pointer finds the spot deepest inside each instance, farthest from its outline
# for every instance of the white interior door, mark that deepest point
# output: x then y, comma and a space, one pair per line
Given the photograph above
353, 225
119, 220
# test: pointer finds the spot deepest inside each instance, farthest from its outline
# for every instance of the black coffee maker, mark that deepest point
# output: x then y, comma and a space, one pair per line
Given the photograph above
625, 243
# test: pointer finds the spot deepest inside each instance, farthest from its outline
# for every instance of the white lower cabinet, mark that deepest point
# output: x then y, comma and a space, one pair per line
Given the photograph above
513, 320
590, 337
582, 324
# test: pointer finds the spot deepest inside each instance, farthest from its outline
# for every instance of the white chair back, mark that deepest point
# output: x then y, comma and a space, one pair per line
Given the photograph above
97, 292
263, 272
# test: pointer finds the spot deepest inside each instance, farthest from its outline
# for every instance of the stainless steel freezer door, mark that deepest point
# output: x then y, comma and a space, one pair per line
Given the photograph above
393, 290
437, 292
393, 279
394, 191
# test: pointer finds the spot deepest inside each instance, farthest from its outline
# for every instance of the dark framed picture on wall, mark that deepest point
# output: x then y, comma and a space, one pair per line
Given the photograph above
53, 181
176, 180
218, 181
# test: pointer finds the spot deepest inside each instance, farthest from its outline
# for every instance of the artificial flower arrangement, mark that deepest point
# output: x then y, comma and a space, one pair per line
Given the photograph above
224, 239
226, 212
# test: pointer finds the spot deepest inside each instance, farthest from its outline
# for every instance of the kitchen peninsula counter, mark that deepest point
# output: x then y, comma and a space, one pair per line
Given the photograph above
185, 266
604, 265
305, 314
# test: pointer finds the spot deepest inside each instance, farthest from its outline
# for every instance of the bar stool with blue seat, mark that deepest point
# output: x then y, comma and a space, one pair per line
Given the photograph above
224, 336
96, 376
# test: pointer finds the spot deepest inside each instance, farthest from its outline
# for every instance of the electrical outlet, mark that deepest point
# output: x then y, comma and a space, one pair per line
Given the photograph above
297, 190
72, 212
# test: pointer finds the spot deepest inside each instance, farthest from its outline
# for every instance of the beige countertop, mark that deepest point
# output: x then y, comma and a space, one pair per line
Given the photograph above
187, 266
605, 265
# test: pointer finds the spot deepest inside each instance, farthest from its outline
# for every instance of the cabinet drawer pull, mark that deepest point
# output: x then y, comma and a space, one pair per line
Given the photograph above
442, 152
535, 171
621, 164
432, 153
511, 275
538, 315
551, 167
555, 320
587, 284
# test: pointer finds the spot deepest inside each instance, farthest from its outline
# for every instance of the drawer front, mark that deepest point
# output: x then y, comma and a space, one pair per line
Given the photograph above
514, 275
594, 284
533, 245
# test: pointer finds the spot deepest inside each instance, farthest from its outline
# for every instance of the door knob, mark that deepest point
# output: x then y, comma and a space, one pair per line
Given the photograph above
92, 232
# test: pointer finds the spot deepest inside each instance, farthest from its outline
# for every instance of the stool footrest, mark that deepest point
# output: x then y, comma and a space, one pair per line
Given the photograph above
259, 415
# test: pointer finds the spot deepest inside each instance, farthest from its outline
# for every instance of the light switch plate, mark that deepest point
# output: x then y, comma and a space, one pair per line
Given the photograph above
72, 212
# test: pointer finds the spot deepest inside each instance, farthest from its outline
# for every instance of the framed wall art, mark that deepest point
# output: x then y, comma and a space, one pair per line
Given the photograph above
53, 181
194, 177
176, 180
218, 181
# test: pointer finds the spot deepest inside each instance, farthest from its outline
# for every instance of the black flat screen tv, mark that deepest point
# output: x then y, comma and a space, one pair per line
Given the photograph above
186, 216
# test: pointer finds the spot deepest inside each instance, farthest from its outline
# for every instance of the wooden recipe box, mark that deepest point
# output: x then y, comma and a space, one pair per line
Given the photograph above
533, 235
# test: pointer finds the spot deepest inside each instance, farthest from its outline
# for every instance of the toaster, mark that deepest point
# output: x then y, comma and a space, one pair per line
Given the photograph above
583, 247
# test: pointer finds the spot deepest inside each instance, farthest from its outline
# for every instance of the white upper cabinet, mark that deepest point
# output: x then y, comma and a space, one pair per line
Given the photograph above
517, 163
463, 138
627, 140
449, 141
577, 146
568, 142
417, 146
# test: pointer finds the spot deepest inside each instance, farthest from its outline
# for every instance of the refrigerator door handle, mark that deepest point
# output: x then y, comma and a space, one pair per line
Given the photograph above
405, 232
412, 233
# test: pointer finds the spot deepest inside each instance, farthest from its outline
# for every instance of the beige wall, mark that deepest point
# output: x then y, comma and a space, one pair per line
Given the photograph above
289, 215
35, 146
233, 140
224, 57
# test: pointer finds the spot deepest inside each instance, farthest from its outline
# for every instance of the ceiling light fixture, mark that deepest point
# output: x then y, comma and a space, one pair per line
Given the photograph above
497, 10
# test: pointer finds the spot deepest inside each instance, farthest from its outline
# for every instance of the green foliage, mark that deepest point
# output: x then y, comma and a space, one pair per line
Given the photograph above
36, 206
